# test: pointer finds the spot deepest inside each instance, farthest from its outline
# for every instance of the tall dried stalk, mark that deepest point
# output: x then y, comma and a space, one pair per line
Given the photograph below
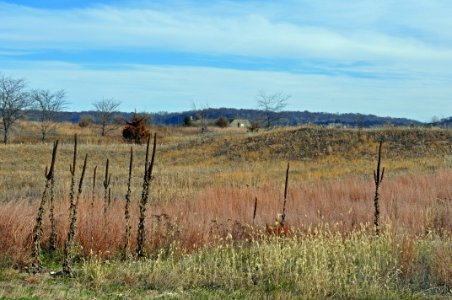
66, 251
286, 186
93, 193
53, 233
378, 178
255, 210
126, 209
145, 196
74, 201
106, 183
37, 230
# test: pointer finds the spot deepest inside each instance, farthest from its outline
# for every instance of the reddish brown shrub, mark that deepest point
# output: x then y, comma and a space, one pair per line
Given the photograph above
136, 130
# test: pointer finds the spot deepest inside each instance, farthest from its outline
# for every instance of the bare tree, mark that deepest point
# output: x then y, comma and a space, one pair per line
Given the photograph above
106, 110
48, 104
201, 115
13, 100
271, 105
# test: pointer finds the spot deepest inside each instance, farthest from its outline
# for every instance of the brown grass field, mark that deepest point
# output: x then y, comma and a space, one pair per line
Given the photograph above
205, 185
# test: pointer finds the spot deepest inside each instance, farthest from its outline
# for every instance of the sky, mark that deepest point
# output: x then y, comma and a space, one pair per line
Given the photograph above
388, 58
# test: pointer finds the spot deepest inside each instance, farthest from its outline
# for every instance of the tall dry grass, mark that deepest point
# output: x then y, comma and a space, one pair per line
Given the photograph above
410, 204
189, 161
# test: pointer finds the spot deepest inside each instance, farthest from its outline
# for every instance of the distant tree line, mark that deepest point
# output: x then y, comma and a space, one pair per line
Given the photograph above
285, 118
288, 118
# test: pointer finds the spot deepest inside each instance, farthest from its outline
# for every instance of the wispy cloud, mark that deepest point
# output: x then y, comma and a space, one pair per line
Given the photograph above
253, 32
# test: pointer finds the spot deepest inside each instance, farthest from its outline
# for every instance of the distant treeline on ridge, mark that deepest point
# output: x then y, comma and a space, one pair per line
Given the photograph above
287, 118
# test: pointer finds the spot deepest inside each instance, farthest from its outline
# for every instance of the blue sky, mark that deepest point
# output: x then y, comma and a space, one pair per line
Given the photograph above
390, 58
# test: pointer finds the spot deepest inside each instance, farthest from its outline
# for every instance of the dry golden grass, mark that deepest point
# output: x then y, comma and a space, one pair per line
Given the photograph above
202, 198
188, 161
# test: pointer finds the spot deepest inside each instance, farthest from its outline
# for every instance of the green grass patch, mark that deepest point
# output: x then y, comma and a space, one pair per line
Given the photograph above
317, 264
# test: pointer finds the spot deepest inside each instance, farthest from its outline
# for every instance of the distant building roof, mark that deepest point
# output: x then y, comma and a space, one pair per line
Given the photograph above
240, 123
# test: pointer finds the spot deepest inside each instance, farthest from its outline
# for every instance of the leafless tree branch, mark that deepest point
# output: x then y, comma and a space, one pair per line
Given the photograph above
48, 104
106, 109
13, 100
272, 106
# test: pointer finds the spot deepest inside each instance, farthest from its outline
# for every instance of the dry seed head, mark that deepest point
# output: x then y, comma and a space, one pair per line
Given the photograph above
107, 176
74, 158
80, 184
94, 177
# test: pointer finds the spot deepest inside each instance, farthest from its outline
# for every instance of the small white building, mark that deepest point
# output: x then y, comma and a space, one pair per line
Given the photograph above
240, 123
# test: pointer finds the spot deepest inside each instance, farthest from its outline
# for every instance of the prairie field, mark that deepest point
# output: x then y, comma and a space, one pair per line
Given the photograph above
212, 225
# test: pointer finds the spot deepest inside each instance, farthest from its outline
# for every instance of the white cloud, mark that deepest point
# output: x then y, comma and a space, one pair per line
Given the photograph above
402, 48
255, 32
